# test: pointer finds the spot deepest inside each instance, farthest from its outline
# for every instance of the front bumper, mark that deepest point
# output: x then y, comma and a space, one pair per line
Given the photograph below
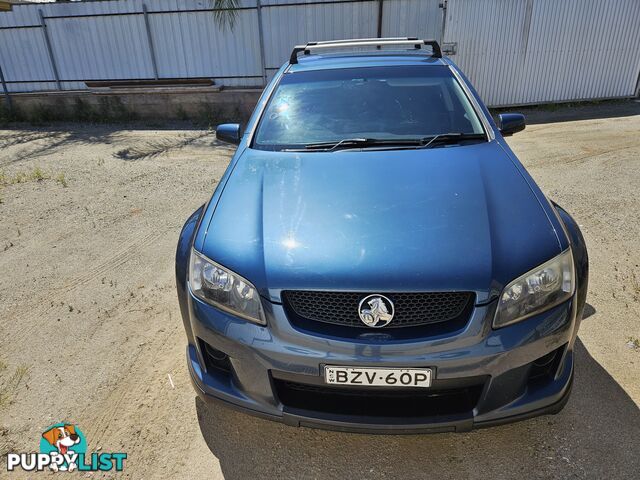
498, 366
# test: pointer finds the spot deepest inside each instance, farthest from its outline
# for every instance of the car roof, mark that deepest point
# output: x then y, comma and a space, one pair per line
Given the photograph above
368, 59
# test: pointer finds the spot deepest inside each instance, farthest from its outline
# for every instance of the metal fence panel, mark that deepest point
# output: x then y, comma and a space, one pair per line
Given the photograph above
20, 17
23, 55
101, 47
286, 26
412, 18
532, 51
192, 45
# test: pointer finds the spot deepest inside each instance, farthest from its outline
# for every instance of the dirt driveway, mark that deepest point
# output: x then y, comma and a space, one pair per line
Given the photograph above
90, 329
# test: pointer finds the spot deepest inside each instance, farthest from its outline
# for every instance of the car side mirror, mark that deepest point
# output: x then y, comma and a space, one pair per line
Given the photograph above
228, 133
510, 123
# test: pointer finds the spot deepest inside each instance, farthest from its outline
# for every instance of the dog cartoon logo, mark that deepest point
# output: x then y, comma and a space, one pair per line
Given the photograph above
66, 440
63, 448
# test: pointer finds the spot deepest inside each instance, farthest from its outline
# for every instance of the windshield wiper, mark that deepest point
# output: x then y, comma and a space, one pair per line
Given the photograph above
360, 142
424, 142
450, 138
329, 146
365, 142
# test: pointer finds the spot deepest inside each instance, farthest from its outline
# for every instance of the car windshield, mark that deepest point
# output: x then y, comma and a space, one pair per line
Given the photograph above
375, 103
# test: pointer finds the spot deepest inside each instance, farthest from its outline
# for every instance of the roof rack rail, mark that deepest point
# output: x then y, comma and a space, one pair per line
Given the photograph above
366, 42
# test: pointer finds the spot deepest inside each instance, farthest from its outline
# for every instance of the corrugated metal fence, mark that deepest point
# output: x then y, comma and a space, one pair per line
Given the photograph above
51, 46
515, 51
533, 51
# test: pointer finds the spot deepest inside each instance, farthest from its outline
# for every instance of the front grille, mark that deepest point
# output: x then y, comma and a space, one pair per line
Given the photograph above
411, 309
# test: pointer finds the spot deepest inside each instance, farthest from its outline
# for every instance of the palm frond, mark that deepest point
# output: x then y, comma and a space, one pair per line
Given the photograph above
225, 12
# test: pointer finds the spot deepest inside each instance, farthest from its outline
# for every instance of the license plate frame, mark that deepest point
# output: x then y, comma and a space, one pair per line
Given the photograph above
389, 377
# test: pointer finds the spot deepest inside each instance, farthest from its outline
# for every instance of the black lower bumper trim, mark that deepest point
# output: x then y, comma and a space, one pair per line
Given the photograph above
409, 425
293, 418
378, 426
552, 409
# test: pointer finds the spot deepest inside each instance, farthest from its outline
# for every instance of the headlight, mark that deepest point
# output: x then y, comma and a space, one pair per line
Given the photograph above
217, 286
542, 288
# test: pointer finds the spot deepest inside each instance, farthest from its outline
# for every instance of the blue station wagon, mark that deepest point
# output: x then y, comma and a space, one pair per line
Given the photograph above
376, 258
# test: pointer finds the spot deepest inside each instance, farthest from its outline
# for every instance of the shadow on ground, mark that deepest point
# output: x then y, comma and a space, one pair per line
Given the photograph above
597, 435
41, 141
588, 311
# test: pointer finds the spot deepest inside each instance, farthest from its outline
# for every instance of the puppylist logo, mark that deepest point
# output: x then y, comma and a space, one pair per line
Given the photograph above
63, 448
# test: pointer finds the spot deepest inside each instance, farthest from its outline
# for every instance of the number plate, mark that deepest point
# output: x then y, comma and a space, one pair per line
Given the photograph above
378, 377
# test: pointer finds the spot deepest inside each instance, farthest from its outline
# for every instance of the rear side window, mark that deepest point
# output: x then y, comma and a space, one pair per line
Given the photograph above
371, 102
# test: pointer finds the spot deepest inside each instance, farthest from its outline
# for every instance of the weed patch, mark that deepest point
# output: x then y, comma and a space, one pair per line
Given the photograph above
60, 178
35, 175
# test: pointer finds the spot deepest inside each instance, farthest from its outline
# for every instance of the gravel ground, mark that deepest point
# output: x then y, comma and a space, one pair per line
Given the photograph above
90, 329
